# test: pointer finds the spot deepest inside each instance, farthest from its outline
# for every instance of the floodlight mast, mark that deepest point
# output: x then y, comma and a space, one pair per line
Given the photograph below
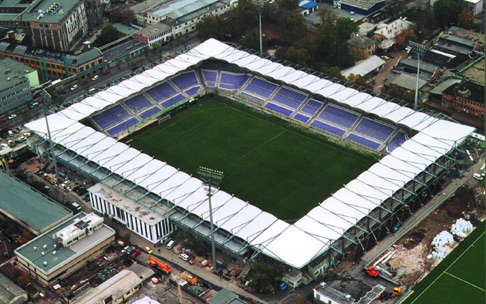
51, 146
211, 180
419, 51
259, 6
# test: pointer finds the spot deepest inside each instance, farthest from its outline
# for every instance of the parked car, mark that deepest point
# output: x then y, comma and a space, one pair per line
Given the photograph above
12, 116
147, 250
136, 253
74, 87
106, 73
95, 77
184, 256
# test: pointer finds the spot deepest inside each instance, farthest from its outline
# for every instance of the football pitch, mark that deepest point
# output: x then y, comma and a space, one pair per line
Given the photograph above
282, 169
460, 278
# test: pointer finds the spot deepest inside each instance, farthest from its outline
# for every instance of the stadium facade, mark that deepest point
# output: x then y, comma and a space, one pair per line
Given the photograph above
417, 150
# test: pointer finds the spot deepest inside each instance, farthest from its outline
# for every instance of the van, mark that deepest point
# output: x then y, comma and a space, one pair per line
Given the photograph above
170, 244
92, 90
184, 256
10, 133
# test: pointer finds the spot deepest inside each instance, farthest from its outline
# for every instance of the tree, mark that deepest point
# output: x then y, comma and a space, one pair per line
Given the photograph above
357, 79
290, 5
123, 16
358, 54
405, 36
465, 20
401, 93
333, 72
292, 26
252, 39
326, 15
262, 276
447, 11
108, 34
210, 27
346, 27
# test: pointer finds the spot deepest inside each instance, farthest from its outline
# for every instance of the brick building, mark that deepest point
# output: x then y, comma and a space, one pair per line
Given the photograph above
466, 96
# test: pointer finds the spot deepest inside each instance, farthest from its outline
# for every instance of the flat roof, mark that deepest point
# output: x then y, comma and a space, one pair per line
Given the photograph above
179, 8
12, 72
116, 286
21, 201
364, 66
137, 209
153, 29
53, 56
38, 11
44, 249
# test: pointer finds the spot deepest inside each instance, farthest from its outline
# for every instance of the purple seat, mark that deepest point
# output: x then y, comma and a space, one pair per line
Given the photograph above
338, 116
121, 127
192, 91
111, 117
374, 129
328, 128
396, 141
138, 103
363, 141
210, 76
172, 101
149, 112
185, 80
278, 109
301, 117
161, 92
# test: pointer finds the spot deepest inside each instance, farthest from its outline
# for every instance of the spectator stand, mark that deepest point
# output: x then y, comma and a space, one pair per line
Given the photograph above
232, 81
259, 88
210, 77
185, 80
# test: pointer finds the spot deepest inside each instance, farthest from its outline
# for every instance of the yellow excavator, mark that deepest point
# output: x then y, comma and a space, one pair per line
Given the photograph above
385, 295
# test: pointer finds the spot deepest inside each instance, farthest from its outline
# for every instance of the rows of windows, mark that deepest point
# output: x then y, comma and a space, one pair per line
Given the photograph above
150, 232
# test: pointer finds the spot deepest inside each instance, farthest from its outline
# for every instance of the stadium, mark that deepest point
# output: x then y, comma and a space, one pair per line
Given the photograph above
152, 198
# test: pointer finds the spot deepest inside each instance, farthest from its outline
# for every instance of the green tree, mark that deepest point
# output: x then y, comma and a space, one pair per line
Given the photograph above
345, 27
326, 15
447, 11
292, 26
262, 277
358, 54
290, 5
357, 79
465, 20
252, 39
211, 27
108, 34
333, 71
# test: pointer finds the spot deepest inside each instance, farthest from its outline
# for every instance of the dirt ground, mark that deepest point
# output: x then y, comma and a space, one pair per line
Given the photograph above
411, 251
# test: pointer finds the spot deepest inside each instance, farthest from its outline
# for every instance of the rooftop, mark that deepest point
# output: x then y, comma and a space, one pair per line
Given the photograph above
408, 81
393, 29
44, 11
154, 29
444, 85
9, 290
124, 29
21, 201
224, 296
334, 294
361, 42
363, 4
12, 72
53, 56
467, 89
116, 286
364, 66
137, 209
47, 255
177, 9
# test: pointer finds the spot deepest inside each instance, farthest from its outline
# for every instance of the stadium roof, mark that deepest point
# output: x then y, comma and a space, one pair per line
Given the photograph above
295, 245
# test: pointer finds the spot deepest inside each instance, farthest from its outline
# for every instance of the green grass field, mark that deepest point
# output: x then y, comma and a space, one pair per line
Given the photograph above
279, 168
460, 278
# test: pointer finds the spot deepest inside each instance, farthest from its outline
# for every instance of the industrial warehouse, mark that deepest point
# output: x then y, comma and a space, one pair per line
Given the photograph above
151, 197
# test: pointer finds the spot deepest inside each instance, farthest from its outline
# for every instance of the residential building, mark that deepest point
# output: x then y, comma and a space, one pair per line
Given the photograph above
16, 80
52, 65
466, 96
475, 7
10, 293
182, 16
64, 249
114, 290
363, 43
391, 30
154, 34
52, 24
362, 7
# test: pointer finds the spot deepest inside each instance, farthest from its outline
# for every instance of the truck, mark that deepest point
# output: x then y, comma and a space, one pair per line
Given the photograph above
156, 263
189, 278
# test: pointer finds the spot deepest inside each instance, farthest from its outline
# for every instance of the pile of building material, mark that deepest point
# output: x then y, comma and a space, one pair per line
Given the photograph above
439, 241
461, 227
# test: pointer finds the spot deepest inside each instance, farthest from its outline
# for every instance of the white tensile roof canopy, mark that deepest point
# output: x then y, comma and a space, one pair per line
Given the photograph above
295, 245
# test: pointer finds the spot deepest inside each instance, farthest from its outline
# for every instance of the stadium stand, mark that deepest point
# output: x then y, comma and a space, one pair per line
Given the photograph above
311, 107
138, 103
328, 128
111, 117
260, 87
161, 92
278, 109
338, 116
232, 82
149, 113
124, 125
210, 76
396, 141
289, 98
185, 80
363, 141
373, 129
172, 101
301, 118
192, 91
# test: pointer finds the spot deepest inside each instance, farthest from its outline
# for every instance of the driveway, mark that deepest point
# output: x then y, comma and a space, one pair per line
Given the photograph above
390, 63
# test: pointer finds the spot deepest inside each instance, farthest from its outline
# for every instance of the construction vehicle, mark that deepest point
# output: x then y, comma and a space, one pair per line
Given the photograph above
162, 266
372, 272
385, 295
189, 278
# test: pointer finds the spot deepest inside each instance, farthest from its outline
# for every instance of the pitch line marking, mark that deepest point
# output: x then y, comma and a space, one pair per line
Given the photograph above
438, 277
462, 280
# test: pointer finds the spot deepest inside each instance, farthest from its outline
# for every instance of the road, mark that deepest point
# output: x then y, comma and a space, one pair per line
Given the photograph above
389, 64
